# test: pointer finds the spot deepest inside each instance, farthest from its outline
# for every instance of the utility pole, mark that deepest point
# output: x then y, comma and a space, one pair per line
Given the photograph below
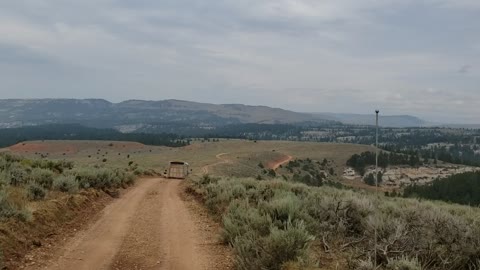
376, 180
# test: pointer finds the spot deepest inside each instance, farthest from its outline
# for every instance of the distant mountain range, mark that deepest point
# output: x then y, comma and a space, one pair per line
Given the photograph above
133, 115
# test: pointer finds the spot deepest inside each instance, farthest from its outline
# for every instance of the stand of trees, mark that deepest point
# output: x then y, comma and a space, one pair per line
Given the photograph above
370, 179
12, 136
360, 162
455, 154
461, 188
253, 132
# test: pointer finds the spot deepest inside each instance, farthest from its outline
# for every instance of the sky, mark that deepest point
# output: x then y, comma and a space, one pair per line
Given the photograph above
417, 57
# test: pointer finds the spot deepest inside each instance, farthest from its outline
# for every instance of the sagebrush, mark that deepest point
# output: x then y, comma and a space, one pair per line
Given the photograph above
413, 234
34, 179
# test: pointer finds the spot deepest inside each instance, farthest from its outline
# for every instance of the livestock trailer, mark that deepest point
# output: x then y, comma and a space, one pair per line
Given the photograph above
178, 170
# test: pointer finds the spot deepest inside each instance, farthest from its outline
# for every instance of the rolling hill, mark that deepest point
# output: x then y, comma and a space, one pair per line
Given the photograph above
132, 115
101, 113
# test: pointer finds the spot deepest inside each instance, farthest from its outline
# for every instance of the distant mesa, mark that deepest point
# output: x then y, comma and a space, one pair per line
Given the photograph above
132, 114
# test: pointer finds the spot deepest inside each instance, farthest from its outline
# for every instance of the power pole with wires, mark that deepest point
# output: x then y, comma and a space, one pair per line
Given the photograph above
376, 181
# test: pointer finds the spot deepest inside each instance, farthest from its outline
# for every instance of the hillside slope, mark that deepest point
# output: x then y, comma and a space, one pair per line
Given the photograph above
133, 115
101, 113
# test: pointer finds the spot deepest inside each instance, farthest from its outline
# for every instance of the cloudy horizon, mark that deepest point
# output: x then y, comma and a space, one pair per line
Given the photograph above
415, 57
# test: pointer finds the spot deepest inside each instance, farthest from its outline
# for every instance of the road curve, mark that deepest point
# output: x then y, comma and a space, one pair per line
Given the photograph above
276, 164
206, 169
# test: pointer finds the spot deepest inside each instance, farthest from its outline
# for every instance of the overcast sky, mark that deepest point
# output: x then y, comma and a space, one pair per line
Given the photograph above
419, 57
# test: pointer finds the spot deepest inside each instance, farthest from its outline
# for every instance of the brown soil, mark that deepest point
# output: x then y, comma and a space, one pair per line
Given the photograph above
152, 226
274, 164
52, 222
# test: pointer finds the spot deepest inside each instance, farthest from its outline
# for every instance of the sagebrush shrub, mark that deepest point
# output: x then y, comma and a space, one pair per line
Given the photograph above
35, 192
52, 165
220, 195
365, 265
86, 178
128, 179
240, 219
4, 179
9, 158
285, 206
3, 163
2, 260
43, 177
403, 264
17, 174
66, 183
9, 210
102, 178
438, 235
272, 251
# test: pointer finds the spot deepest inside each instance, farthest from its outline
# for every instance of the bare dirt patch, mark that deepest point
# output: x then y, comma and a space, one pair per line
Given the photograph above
275, 164
220, 255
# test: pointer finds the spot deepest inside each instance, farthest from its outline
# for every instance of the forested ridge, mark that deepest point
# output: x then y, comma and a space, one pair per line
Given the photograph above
12, 136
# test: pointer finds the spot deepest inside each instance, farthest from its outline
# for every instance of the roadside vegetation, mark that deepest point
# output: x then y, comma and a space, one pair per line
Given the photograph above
277, 224
33, 179
35, 196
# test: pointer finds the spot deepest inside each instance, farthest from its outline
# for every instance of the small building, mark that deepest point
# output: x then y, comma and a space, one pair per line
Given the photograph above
178, 170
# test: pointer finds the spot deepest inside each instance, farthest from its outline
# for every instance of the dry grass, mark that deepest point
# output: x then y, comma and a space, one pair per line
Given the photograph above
243, 155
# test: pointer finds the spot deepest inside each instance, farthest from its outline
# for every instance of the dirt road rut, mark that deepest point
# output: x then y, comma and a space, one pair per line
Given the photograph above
150, 227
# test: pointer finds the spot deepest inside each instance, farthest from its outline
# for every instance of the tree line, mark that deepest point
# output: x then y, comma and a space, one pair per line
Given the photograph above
359, 162
12, 136
460, 188
455, 153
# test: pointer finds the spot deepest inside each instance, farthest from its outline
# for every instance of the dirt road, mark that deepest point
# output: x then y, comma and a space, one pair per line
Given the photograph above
277, 163
150, 227
206, 169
